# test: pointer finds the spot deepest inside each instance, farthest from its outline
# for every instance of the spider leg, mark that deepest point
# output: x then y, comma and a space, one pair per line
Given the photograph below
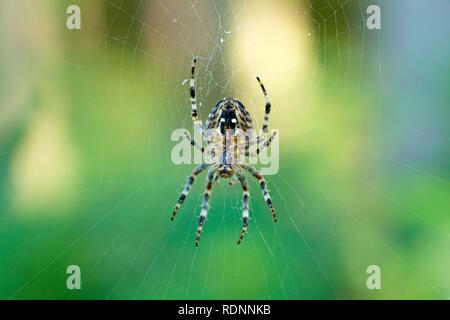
267, 109
264, 145
263, 185
198, 125
194, 143
245, 202
192, 93
187, 187
205, 206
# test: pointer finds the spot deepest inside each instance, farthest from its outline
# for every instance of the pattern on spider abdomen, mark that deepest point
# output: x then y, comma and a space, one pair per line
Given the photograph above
224, 133
228, 106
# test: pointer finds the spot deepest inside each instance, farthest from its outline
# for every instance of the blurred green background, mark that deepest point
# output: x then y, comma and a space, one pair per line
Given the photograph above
86, 176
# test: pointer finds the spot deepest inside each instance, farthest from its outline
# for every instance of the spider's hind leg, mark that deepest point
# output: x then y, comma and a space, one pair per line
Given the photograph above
245, 202
263, 185
187, 187
205, 206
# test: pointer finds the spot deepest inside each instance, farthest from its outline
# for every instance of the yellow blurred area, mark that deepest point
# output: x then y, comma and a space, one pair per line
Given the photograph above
274, 44
44, 170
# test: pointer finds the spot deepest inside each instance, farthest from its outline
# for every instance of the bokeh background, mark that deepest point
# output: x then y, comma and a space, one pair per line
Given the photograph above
85, 171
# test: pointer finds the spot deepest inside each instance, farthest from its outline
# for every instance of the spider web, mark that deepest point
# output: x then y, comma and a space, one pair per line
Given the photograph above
324, 241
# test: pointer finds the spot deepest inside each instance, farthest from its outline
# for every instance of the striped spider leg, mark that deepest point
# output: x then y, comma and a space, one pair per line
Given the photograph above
268, 106
265, 129
212, 174
198, 124
187, 187
245, 204
263, 184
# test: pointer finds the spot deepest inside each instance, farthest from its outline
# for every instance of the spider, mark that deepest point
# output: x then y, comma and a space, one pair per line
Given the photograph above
221, 131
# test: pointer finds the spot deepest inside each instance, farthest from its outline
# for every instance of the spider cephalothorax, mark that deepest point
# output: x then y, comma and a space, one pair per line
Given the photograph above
225, 135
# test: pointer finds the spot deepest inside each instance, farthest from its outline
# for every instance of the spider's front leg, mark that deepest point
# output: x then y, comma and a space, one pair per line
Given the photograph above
188, 186
194, 113
198, 124
265, 127
263, 185
205, 206
245, 202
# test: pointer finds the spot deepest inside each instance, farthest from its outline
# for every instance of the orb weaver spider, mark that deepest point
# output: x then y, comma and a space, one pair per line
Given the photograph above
221, 131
